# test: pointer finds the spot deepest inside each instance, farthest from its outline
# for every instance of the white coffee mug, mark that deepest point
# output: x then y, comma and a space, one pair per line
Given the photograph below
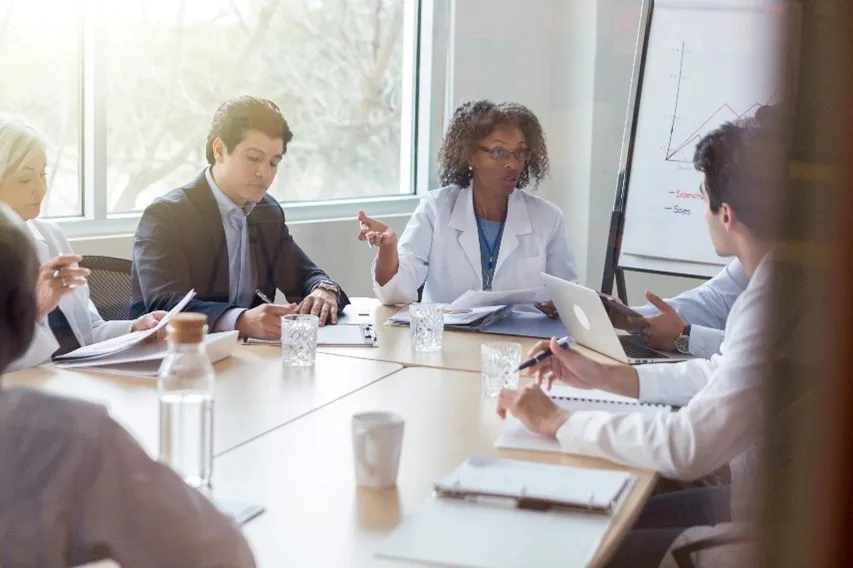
377, 438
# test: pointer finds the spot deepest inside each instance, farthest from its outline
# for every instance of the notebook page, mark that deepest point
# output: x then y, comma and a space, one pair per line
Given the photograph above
517, 437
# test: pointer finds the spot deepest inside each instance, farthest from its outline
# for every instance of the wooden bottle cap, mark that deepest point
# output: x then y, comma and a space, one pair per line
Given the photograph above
187, 328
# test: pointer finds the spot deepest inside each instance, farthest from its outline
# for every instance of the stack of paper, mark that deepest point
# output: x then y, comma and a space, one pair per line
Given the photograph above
482, 298
144, 359
122, 342
469, 319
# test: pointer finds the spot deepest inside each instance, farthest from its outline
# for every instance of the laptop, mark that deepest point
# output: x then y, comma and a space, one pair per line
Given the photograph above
584, 316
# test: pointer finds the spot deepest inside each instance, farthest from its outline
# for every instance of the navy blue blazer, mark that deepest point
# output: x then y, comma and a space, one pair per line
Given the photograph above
180, 245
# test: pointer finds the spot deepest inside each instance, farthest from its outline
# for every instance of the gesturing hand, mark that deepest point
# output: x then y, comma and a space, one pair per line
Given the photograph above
662, 329
376, 233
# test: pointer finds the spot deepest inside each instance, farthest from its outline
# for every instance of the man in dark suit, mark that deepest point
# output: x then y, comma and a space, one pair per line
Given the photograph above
223, 236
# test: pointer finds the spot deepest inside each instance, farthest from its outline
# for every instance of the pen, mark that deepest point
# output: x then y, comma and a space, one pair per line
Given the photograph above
263, 297
563, 343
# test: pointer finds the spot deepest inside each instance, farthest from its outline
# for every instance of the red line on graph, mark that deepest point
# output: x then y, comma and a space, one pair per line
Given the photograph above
694, 134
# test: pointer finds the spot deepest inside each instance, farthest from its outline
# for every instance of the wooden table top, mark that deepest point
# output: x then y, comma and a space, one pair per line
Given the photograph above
255, 393
303, 473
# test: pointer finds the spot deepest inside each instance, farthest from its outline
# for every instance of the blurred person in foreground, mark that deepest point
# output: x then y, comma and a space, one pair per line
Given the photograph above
75, 487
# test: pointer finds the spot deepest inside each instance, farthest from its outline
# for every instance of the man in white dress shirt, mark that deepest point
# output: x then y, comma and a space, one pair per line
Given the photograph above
692, 322
721, 397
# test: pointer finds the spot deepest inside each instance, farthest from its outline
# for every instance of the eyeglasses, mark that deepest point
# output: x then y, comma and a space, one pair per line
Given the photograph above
502, 154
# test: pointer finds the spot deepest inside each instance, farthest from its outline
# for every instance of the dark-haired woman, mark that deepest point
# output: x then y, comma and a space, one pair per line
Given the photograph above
480, 231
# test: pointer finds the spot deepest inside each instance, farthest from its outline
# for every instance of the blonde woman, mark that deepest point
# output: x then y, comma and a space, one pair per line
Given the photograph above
67, 319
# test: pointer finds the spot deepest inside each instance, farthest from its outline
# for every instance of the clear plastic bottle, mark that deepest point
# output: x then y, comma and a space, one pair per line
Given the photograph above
185, 387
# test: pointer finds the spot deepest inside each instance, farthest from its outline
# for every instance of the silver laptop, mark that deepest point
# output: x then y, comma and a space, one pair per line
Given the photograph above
584, 316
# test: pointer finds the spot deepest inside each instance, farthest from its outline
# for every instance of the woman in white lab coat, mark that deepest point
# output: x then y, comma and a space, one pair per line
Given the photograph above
480, 231
67, 318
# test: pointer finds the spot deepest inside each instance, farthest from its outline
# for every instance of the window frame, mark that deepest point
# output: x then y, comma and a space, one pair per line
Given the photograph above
426, 43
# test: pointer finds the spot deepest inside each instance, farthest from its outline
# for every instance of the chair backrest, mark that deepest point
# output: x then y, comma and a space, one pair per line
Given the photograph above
109, 286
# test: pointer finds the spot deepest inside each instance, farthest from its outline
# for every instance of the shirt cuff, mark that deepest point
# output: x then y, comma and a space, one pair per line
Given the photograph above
228, 320
705, 341
654, 385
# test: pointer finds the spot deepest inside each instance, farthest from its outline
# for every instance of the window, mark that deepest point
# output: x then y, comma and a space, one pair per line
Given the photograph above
151, 73
40, 79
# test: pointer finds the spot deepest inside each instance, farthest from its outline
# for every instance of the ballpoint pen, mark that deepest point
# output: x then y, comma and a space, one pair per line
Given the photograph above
263, 297
563, 343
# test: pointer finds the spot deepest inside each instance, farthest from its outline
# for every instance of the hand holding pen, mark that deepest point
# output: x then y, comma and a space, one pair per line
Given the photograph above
553, 359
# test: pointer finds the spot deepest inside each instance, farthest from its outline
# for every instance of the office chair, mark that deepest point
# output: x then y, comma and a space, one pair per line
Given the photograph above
109, 286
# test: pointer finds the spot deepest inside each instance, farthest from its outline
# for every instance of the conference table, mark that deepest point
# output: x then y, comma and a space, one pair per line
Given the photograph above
282, 437
304, 474
254, 393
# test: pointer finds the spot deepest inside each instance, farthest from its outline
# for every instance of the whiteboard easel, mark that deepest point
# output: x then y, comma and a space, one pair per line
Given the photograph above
698, 64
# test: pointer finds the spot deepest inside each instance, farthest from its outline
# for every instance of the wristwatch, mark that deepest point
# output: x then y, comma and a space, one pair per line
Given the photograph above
682, 342
329, 286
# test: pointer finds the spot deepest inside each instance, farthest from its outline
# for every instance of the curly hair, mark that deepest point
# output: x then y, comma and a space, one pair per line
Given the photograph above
744, 166
475, 120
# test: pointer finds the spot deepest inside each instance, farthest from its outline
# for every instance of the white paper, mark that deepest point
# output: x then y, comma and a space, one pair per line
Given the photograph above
455, 532
122, 342
466, 316
480, 298
516, 436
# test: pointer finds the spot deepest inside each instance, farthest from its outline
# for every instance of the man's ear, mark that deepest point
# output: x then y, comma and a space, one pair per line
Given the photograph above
219, 149
727, 216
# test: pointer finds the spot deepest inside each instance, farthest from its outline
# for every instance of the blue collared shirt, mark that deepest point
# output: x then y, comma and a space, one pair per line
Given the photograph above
706, 308
241, 270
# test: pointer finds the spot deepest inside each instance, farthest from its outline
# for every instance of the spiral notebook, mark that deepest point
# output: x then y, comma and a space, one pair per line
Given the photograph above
517, 437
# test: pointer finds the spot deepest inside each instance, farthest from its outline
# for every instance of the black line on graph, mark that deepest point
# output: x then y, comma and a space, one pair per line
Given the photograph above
677, 92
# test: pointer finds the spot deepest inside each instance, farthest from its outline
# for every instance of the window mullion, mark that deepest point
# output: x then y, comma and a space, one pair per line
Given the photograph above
94, 113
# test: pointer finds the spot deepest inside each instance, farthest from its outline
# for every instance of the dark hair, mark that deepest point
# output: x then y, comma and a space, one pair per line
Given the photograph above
475, 120
19, 266
744, 166
236, 116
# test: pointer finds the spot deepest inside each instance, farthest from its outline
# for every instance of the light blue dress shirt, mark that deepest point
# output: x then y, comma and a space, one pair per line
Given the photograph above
242, 279
706, 308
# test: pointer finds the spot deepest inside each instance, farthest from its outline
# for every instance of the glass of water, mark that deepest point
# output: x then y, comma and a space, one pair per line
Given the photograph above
299, 339
500, 366
426, 326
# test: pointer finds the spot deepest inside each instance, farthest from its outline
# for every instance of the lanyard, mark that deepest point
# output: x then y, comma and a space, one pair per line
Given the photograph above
492, 250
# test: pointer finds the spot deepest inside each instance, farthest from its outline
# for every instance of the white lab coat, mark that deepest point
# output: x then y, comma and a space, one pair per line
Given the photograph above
707, 307
440, 248
84, 319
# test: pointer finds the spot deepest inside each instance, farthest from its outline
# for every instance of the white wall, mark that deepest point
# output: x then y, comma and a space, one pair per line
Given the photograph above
570, 62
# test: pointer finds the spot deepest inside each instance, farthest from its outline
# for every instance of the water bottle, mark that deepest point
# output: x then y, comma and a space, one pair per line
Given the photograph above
185, 388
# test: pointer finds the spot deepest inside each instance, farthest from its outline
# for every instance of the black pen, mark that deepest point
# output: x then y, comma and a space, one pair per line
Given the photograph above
563, 343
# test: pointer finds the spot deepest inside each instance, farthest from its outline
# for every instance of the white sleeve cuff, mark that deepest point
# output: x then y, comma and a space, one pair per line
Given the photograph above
228, 320
705, 341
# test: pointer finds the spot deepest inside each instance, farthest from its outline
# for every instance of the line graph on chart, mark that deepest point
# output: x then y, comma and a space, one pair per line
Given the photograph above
684, 130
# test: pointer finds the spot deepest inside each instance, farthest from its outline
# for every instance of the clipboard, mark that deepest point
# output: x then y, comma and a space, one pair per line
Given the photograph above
340, 335
536, 487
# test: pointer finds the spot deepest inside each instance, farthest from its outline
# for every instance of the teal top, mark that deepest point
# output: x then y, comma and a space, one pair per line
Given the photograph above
491, 233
